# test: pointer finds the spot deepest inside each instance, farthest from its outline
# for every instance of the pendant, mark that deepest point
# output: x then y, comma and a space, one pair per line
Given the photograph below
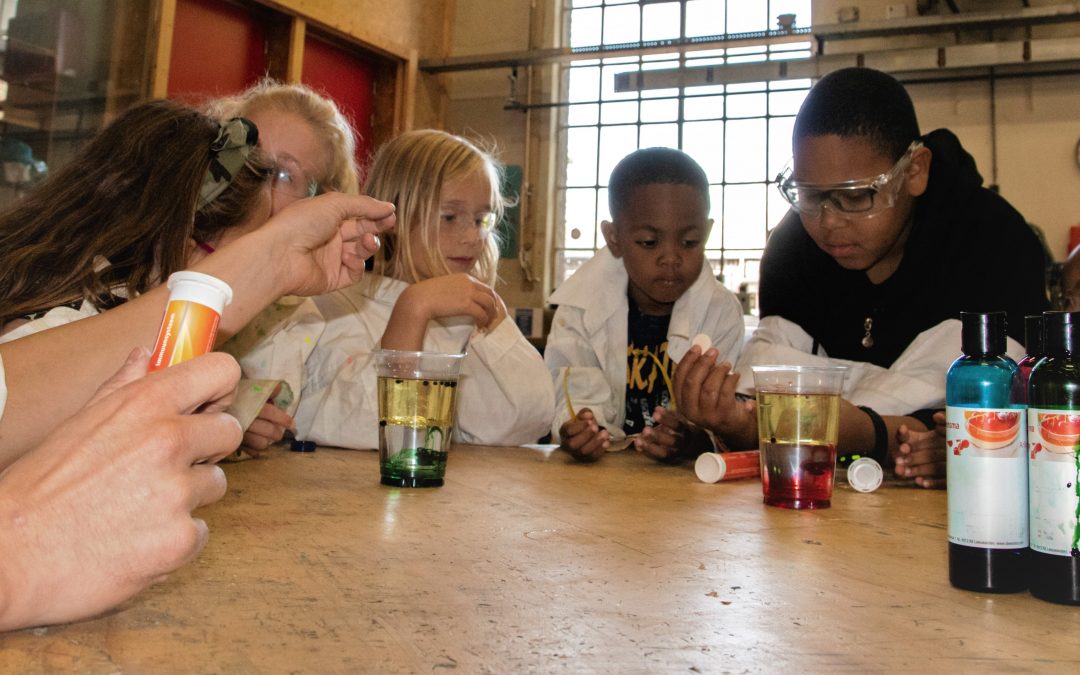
868, 339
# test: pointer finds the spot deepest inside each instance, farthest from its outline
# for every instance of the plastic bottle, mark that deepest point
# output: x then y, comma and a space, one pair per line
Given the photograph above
189, 326
1034, 341
712, 467
986, 455
1053, 430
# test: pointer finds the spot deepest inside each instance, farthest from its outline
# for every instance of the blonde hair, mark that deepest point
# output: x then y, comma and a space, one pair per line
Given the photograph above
411, 171
325, 118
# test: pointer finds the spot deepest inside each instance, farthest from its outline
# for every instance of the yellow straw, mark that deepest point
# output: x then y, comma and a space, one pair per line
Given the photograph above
566, 393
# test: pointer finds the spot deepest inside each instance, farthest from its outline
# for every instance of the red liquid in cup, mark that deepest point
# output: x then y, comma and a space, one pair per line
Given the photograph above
798, 476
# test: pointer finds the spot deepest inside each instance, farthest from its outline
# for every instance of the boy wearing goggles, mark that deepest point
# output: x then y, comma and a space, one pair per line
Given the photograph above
890, 236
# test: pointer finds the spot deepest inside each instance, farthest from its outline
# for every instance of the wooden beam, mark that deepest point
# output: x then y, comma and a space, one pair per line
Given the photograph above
297, 33
166, 21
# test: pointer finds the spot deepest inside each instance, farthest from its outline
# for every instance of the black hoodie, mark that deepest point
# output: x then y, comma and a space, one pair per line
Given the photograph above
969, 250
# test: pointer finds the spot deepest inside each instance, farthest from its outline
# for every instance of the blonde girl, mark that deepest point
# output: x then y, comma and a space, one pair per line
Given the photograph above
312, 148
431, 290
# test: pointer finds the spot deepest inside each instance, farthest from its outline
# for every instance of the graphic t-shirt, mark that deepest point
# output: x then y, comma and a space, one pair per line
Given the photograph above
645, 385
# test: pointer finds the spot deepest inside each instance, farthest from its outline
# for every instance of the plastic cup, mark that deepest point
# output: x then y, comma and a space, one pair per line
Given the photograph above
417, 394
798, 422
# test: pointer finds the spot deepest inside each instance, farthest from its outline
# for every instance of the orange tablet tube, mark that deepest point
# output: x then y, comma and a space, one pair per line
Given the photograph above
712, 467
189, 327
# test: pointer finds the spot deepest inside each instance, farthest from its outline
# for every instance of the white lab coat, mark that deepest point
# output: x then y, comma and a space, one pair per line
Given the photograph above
589, 336
915, 381
504, 393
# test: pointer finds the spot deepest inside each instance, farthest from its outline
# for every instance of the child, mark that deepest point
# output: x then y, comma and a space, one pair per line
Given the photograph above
133, 206
629, 312
431, 290
312, 146
890, 237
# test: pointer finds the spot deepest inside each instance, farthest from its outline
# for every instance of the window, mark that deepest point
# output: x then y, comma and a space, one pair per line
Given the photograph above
739, 133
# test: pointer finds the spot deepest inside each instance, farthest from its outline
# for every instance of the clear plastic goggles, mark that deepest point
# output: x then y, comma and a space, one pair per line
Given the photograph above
460, 222
863, 197
291, 180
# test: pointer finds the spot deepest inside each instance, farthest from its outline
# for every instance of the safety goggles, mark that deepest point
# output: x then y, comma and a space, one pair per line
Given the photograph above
863, 197
292, 181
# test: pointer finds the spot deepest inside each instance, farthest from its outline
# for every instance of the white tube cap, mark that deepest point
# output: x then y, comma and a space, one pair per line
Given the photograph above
710, 467
865, 474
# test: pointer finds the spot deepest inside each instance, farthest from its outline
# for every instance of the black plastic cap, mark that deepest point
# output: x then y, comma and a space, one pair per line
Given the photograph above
982, 334
1034, 335
1062, 333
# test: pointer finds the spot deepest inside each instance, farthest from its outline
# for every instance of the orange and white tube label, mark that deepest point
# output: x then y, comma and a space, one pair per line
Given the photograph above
188, 329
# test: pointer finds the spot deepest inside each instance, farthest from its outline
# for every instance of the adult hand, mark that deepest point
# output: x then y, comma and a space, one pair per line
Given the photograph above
705, 392
325, 240
102, 507
583, 438
921, 454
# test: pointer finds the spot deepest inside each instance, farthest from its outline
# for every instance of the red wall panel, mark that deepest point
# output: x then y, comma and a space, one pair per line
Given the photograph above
348, 79
218, 48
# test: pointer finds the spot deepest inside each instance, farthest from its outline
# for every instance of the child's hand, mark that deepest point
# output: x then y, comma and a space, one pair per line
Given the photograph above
583, 438
672, 439
268, 428
705, 392
921, 454
449, 295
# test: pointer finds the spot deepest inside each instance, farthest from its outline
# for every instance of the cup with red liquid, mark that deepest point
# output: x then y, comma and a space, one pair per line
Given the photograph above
798, 411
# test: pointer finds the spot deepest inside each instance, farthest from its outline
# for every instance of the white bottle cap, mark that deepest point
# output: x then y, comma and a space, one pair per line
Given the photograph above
865, 474
201, 288
710, 467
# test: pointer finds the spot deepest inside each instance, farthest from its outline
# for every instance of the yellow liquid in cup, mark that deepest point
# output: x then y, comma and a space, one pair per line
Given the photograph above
797, 436
416, 419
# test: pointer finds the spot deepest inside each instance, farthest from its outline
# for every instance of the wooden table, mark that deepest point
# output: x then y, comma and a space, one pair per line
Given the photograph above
525, 562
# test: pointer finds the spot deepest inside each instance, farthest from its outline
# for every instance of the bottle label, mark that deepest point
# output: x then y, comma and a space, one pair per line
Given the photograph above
986, 459
1053, 467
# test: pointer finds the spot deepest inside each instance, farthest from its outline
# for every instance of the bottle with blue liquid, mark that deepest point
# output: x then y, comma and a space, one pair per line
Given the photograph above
1054, 467
986, 460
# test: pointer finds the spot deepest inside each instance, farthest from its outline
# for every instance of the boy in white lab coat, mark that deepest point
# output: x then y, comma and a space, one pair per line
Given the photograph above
630, 313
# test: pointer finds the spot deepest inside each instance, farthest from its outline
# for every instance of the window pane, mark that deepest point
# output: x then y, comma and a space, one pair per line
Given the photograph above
615, 143
704, 17
603, 212
716, 212
622, 24
666, 135
608, 92
779, 144
619, 113
585, 27
584, 84
744, 216
704, 141
785, 102
580, 218
744, 159
588, 113
665, 110
581, 156
744, 17
660, 21
703, 107
746, 105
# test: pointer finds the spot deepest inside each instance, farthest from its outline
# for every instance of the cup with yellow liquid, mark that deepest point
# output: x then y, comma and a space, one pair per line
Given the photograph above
798, 410
417, 396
